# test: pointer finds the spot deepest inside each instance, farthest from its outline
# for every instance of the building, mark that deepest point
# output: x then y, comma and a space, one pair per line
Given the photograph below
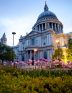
3, 39
15, 49
46, 35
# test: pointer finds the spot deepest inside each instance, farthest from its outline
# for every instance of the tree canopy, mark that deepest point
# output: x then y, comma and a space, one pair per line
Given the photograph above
6, 53
69, 50
58, 54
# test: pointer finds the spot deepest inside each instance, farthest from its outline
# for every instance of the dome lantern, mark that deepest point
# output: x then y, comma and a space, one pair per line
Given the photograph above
45, 7
47, 13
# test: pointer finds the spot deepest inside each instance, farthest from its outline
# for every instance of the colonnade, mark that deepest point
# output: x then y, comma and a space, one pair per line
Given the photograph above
31, 54
54, 26
41, 27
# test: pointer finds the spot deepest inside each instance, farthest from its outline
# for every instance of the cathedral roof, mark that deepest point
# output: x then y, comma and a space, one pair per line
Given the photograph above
47, 13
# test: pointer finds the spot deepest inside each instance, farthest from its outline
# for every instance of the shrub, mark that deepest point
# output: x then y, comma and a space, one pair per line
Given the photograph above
37, 81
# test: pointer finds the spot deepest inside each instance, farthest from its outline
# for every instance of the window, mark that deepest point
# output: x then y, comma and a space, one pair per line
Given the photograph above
22, 58
45, 55
49, 39
32, 41
44, 40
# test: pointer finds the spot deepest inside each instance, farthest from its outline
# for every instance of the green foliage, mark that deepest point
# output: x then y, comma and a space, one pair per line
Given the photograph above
13, 80
69, 50
69, 54
58, 54
6, 53
70, 43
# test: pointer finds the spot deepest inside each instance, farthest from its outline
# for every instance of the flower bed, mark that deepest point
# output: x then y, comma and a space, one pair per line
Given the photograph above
14, 80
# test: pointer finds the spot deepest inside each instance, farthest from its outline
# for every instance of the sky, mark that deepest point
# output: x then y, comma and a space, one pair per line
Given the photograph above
20, 16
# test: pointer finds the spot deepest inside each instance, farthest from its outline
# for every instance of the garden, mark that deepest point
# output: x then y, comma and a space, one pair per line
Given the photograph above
45, 76
14, 80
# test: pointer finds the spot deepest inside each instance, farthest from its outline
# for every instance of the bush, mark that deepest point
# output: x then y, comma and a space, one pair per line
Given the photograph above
13, 80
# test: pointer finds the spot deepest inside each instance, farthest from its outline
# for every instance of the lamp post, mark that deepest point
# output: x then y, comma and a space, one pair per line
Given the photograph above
13, 37
33, 55
35, 51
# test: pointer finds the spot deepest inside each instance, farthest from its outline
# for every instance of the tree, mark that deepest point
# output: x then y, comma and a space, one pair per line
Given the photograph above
58, 54
69, 50
6, 53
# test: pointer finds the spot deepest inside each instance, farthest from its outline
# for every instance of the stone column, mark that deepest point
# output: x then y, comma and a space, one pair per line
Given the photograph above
42, 27
30, 54
61, 29
58, 28
52, 26
27, 55
45, 25
39, 27
55, 27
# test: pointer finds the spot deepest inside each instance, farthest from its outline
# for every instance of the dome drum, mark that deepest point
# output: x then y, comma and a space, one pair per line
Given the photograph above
42, 26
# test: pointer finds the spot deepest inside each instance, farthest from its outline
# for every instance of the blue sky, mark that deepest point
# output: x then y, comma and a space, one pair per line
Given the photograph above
21, 15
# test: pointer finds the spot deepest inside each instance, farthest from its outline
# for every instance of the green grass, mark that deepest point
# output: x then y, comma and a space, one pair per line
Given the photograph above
13, 80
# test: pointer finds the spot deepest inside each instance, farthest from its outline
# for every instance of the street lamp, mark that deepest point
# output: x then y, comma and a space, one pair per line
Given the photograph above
35, 50
33, 55
13, 37
13, 41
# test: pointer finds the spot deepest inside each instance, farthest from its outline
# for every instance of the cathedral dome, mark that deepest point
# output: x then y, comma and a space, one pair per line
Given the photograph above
48, 20
47, 13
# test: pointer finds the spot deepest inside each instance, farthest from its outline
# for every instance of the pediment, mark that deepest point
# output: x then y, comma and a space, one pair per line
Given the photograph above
32, 33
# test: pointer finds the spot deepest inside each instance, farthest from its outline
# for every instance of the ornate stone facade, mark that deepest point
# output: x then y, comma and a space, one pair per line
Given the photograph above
41, 41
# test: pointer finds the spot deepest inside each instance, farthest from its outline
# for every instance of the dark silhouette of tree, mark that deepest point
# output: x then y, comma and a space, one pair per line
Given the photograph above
6, 53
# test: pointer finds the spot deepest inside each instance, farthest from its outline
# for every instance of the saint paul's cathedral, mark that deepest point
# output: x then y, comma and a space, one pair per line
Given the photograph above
46, 35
